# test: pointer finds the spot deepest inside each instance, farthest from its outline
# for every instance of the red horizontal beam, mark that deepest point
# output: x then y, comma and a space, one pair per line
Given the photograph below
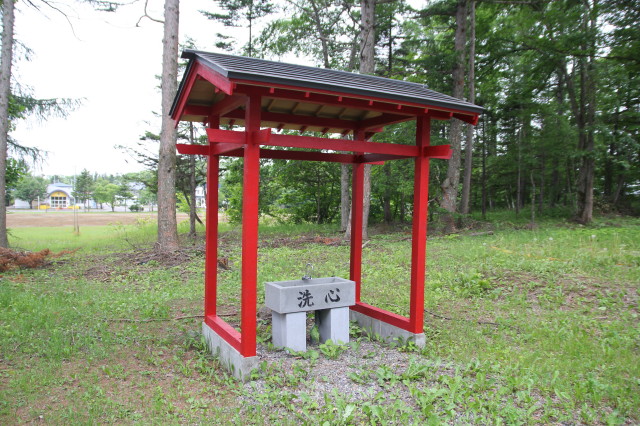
192, 149
228, 136
443, 152
224, 330
273, 154
231, 149
440, 115
298, 120
375, 158
222, 148
382, 120
471, 119
231, 136
307, 156
310, 142
382, 315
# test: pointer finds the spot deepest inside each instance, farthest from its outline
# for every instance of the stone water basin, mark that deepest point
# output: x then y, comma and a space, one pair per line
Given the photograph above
309, 295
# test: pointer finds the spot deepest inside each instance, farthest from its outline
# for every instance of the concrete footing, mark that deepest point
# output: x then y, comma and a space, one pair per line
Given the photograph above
237, 364
385, 331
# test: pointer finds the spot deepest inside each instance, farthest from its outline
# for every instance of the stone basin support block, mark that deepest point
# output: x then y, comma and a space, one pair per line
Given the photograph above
333, 324
290, 330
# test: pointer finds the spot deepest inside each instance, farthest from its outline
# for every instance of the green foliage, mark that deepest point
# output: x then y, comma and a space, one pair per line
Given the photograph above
240, 13
183, 206
16, 170
310, 191
331, 349
322, 29
106, 192
231, 189
29, 188
124, 192
83, 188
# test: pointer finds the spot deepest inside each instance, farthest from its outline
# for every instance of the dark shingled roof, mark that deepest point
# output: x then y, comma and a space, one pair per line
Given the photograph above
260, 70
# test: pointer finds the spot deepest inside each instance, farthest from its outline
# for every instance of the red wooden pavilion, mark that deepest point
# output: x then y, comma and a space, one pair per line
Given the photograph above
263, 95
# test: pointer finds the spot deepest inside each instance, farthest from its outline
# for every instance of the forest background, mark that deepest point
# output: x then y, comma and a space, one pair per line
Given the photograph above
558, 81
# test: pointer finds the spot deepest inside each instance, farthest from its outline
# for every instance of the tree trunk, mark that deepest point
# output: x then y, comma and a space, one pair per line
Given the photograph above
519, 180
484, 170
542, 183
450, 183
321, 33
613, 153
584, 108
618, 192
468, 158
8, 17
555, 184
533, 198
367, 66
167, 224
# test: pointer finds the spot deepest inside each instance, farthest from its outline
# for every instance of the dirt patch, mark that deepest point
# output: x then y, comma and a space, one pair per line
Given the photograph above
102, 267
23, 219
303, 241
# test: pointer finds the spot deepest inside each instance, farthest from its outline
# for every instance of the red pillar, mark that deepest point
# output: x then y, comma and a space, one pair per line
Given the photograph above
419, 232
357, 199
211, 242
250, 195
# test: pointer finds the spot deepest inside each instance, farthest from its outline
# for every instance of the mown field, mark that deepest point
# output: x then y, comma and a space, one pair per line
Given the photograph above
523, 327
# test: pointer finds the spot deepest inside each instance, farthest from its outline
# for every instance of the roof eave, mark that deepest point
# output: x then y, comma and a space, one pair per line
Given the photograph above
472, 109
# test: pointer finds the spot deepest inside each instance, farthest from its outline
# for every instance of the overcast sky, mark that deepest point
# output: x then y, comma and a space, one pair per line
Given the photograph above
109, 63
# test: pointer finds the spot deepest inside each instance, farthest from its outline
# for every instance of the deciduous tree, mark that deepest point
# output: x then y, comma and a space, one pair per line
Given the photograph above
29, 188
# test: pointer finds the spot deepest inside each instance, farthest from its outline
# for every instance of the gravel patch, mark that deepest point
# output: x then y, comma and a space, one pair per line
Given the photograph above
367, 372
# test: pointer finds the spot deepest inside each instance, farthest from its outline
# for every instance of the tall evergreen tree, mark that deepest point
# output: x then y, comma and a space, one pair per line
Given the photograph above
167, 222
83, 188
240, 13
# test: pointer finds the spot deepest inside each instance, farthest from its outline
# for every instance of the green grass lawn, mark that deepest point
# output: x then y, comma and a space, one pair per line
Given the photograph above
523, 326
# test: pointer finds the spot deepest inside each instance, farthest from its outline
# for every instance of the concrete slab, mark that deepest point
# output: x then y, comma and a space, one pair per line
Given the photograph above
385, 331
237, 364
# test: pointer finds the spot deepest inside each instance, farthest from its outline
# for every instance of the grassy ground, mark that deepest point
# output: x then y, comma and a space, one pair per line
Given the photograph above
523, 326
